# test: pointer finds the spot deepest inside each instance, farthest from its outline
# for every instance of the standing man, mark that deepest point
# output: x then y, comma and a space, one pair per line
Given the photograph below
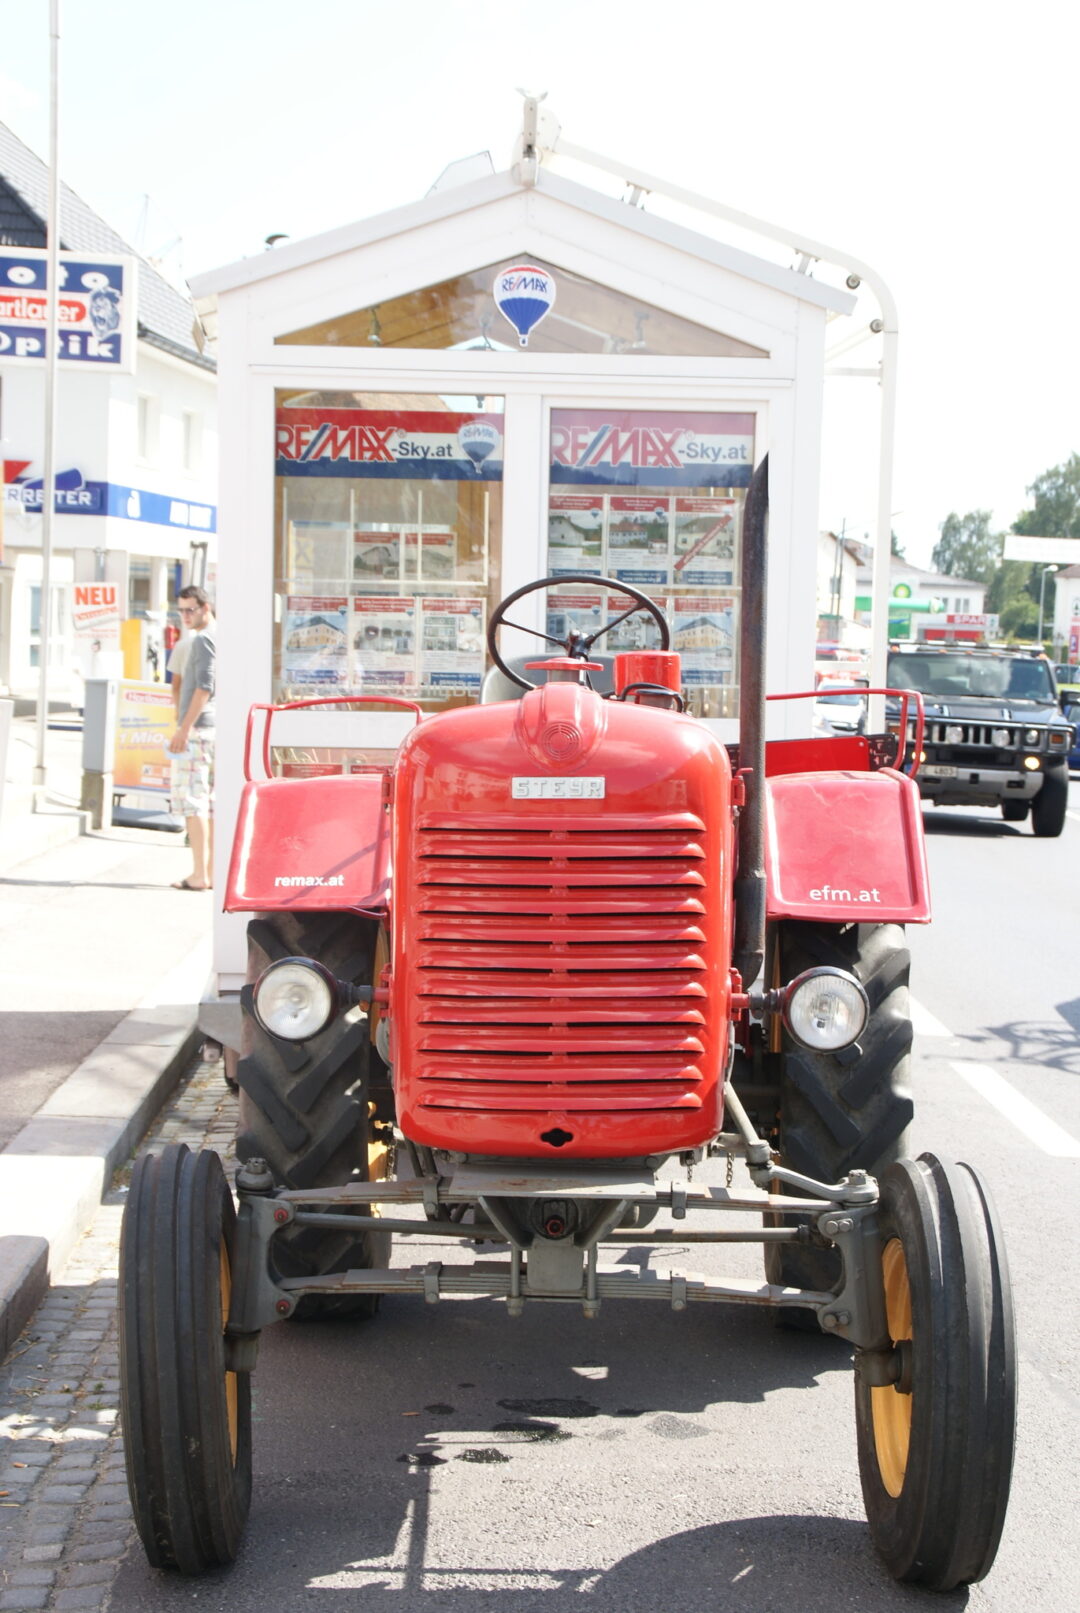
193, 741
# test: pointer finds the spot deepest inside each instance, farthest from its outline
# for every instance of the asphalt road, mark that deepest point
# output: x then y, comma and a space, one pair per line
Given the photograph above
448, 1457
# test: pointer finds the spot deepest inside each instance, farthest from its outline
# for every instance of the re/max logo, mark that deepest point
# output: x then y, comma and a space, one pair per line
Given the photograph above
363, 444
581, 446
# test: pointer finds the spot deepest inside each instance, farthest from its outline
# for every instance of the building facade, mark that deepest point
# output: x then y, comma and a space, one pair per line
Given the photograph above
926, 604
135, 513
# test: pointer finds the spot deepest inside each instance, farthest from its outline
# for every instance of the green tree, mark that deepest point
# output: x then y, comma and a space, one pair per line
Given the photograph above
1020, 618
897, 548
1057, 503
967, 547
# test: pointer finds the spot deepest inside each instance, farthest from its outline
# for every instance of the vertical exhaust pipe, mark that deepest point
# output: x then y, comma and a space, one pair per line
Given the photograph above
750, 877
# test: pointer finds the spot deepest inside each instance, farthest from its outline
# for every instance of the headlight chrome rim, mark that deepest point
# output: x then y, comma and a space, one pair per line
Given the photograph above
794, 1010
293, 1019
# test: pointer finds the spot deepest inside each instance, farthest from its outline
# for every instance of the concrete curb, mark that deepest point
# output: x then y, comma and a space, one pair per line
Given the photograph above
54, 1173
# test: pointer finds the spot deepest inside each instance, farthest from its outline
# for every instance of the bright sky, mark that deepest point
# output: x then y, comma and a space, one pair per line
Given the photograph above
936, 142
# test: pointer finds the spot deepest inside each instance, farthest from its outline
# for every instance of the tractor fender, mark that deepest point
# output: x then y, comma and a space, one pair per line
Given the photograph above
845, 847
310, 844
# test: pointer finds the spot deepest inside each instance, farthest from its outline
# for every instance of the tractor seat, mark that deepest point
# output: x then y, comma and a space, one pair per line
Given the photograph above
497, 687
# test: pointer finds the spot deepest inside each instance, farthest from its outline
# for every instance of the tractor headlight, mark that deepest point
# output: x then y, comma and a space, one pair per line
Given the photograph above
825, 1009
295, 998
1032, 736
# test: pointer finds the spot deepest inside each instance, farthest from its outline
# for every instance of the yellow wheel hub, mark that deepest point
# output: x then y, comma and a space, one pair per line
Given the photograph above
890, 1409
231, 1388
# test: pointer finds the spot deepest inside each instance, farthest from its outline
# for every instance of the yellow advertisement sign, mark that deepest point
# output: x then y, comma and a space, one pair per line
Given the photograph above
145, 720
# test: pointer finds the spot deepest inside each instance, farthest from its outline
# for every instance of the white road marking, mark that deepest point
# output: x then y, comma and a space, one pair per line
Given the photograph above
1075, 816
924, 1023
1041, 1130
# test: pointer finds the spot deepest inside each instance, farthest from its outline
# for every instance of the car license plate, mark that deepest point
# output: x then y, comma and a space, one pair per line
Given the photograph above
935, 770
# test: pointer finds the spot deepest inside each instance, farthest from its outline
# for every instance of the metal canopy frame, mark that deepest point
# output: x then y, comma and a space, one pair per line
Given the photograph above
541, 140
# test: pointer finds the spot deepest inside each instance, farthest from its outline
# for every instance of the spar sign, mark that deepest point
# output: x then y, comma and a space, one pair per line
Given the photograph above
652, 448
95, 308
380, 443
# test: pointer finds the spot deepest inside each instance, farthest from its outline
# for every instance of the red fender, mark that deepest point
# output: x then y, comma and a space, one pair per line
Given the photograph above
846, 847
310, 844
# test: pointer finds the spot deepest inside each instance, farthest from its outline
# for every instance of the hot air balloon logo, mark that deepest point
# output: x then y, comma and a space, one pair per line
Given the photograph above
524, 295
479, 441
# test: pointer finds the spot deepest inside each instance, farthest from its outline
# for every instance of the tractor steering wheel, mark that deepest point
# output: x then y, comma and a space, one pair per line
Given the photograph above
575, 645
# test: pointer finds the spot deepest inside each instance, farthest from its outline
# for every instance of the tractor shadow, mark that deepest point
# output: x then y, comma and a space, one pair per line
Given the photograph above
1050, 1045
941, 822
379, 1446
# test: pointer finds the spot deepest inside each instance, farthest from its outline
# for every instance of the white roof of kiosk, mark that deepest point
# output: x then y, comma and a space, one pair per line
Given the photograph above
490, 192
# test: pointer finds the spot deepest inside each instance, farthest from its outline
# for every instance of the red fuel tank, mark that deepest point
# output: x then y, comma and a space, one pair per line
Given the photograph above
561, 928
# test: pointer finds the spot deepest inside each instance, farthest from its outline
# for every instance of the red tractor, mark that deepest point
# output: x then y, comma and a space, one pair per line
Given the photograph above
511, 991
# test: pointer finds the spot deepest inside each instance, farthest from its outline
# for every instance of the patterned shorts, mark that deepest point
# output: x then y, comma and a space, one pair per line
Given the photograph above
193, 777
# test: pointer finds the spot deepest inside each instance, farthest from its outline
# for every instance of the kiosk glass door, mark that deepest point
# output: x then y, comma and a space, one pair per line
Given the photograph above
388, 544
655, 498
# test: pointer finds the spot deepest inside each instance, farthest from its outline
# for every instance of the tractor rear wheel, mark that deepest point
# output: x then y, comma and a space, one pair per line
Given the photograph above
935, 1453
1049, 806
309, 1108
1015, 811
846, 1111
186, 1418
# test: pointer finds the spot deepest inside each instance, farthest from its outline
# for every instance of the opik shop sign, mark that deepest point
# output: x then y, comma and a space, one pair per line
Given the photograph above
95, 308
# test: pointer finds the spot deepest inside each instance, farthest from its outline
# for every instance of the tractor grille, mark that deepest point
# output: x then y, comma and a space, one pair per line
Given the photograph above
560, 970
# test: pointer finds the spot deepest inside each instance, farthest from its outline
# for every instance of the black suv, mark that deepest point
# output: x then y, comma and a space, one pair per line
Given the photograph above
994, 734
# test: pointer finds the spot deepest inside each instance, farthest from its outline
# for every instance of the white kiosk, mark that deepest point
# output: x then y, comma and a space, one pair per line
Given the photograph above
517, 376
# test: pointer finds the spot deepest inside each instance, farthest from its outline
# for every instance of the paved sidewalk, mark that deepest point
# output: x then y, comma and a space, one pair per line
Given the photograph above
65, 1519
102, 966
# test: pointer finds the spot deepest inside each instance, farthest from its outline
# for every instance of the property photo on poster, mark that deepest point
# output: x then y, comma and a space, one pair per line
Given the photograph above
575, 533
706, 540
314, 646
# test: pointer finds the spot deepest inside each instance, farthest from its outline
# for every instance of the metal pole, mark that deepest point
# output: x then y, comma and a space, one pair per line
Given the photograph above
881, 586
52, 296
1042, 594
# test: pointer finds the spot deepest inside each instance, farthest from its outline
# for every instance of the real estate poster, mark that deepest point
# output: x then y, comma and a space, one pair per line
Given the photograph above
383, 644
452, 645
314, 648
637, 631
376, 556
439, 557
637, 538
575, 533
703, 632
706, 537
571, 612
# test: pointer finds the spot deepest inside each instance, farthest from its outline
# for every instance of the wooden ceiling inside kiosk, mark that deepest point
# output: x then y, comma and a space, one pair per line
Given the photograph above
461, 313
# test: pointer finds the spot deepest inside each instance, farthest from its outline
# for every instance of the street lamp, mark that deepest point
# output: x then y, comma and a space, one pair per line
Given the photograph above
1042, 589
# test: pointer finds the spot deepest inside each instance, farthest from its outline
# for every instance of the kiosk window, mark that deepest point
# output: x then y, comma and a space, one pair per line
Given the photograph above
522, 303
655, 498
388, 545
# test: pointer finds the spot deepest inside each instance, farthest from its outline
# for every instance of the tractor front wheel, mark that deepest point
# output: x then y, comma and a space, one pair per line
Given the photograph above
839, 1112
935, 1451
186, 1418
1015, 811
309, 1108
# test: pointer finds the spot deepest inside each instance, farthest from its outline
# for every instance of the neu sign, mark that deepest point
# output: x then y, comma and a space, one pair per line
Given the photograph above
95, 613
